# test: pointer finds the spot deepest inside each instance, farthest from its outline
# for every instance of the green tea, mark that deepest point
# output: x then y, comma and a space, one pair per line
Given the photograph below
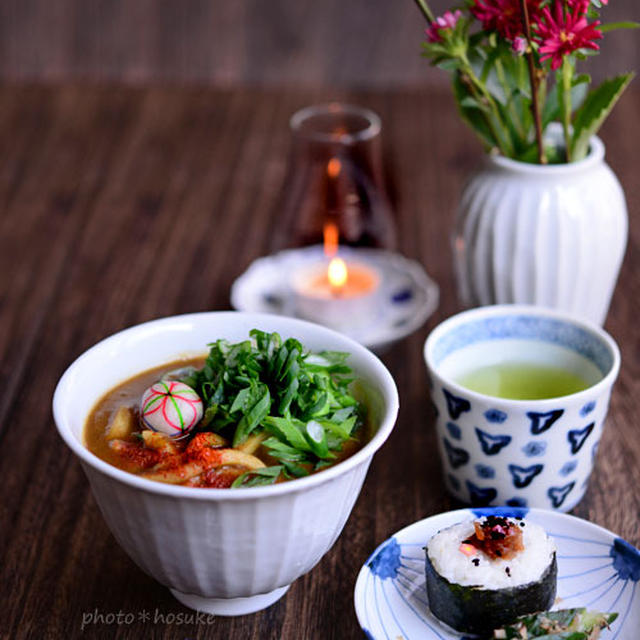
523, 381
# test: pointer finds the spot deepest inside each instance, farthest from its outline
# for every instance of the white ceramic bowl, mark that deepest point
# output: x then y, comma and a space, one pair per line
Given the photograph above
223, 551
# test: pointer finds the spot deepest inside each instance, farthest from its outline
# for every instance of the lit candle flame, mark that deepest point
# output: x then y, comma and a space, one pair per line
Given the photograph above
337, 273
337, 270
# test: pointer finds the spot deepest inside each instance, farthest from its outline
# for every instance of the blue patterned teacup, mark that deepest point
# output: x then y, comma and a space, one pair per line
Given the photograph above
533, 453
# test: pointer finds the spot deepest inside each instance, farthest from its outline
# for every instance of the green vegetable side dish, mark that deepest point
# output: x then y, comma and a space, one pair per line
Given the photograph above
299, 400
566, 624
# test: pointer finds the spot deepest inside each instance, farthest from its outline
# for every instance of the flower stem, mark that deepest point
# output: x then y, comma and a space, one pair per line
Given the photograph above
533, 79
567, 72
479, 92
426, 12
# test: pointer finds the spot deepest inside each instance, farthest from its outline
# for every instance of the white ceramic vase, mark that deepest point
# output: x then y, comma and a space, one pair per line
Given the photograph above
550, 235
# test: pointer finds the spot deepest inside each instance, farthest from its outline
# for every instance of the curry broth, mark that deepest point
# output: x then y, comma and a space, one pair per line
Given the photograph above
128, 394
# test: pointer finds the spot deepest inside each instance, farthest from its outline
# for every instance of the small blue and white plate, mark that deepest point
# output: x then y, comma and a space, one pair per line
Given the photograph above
596, 569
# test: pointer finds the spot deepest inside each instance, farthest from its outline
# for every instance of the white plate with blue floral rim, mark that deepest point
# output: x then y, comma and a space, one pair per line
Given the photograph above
596, 569
408, 297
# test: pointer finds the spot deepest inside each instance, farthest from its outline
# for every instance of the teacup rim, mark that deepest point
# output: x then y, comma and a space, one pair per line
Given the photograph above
387, 388
514, 310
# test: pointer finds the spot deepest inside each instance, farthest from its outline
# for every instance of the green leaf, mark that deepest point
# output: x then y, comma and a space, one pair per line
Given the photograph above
285, 429
593, 112
293, 470
583, 54
269, 343
470, 103
255, 415
289, 395
330, 357
295, 351
240, 401
567, 624
342, 414
257, 477
237, 352
489, 64
448, 64
342, 429
279, 362
612, 26
281, 451
274, 384
473, 117
552, 106
321, 406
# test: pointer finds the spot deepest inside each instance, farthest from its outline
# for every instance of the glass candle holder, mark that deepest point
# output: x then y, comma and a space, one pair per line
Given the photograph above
335, 179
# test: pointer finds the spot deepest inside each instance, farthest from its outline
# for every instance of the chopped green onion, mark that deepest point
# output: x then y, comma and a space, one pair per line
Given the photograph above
266, 384
257, 477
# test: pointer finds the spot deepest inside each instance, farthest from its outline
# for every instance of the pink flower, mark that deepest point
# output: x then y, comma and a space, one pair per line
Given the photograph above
581, 6
519, 45
504, 16
447, 20
561, 34
573, 3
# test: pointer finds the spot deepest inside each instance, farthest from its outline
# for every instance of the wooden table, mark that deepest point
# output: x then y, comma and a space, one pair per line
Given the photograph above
120, 205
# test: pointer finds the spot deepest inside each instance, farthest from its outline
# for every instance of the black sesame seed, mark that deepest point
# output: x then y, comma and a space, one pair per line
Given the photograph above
522, 524
507, 571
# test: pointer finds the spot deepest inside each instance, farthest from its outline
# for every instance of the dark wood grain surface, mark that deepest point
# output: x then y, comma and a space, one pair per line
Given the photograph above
121, 205
363, 43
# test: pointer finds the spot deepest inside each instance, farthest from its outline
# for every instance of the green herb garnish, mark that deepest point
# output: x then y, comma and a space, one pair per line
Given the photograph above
566, 624
257, 477
300, 401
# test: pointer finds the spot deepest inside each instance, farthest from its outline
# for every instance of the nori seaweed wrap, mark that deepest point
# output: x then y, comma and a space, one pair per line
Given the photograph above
481, 610
482, 575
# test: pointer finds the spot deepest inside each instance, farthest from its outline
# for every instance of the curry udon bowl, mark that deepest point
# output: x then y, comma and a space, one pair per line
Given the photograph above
223, 551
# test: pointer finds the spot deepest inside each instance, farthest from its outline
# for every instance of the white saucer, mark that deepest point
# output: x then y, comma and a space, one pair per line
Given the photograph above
596, 570
408, 297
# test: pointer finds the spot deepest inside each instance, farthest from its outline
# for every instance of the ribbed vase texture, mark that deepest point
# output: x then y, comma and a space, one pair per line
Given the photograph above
552, 236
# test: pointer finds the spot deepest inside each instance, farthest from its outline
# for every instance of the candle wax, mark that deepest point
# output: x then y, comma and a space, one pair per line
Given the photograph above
360, 281
342, 305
